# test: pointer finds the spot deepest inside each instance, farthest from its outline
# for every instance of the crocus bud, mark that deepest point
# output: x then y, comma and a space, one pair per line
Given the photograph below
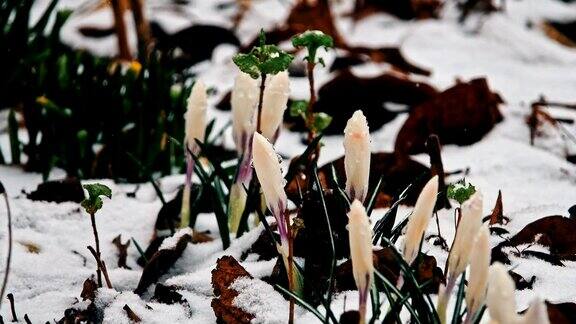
360, 235
357, 156
479, 264
196, 115
537, 313
244, 100
500, 297
418, 221
269, 174
470, 222
273, 104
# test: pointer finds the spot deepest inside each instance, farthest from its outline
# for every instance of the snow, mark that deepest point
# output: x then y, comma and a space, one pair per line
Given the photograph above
519, 62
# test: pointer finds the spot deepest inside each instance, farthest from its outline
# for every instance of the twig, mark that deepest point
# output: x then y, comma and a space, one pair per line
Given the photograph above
12, 307
26, 319
131, 315
124, 51
142, 29
9, 257
100, 266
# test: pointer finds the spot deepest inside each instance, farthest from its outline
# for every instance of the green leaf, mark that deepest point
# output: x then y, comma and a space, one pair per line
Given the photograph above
298, 108
312, 40
93, 203
276, 60
321, 121
460, 191
263, 59
247, 63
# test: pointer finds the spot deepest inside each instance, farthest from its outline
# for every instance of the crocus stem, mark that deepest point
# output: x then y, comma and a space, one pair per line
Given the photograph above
238, 196
362, 301
185, 211
469, 317
443, 298
260, 100
97, 241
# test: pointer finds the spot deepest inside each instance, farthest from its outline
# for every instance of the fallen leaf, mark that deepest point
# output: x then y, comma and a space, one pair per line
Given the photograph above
461, 115
226, 272
160, 263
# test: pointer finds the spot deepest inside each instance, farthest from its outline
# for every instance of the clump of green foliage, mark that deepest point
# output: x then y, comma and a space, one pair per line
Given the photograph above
93, 117
460, 191
263, 60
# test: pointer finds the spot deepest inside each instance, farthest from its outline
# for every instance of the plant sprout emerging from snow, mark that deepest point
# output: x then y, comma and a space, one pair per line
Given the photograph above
357, 156
460, 191
360, 234
312, 40
244, 100
260, 62
195, 127
419, 219
269, 174
92, 204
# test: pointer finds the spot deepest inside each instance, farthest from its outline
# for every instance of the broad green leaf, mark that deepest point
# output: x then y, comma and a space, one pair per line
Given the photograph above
93, 203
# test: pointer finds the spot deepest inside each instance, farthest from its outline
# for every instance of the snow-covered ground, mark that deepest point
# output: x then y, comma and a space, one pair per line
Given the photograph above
520, 63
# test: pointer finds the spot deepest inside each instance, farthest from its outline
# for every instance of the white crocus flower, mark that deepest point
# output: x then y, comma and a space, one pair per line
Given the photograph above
468, 227
195, 128
500, 297
419, 219
479, 264
244, 102
357, 156
274, 103
360, 236
269, 174
195, 116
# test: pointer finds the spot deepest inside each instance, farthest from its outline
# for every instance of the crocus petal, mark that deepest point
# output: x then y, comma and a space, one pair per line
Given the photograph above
269, 174
500, 297
274, 103
244, 100
418, 221
468, 227
537, 313
360, 234
357, 156
479, 264
196, 114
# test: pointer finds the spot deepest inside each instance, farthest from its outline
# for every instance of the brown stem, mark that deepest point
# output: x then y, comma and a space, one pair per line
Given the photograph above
260, 100
309, 112
97, 256
142, 28
290, 267
12, 307
120, 26
101, 266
